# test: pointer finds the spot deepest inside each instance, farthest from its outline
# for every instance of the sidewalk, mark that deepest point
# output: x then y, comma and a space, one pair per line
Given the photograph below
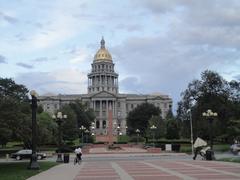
146, 169
59, 172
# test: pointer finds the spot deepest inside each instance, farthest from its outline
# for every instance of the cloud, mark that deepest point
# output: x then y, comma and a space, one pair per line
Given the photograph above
2, 59
129, 27
60, 27
79, 55
237, 77
43, 59
20, 37
70, 81
7, 18
130, 84
163, 64
27, 66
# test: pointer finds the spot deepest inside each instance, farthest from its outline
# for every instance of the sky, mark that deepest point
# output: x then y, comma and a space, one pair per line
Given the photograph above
156, 45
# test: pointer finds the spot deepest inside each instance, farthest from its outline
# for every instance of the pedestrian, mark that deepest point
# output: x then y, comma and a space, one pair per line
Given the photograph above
198, 145
78, 152
196, 152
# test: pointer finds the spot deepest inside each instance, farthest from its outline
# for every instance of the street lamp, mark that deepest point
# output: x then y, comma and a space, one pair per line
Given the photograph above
210, 115
93, 127
137, 131
118, 129
153, 128
33, 162
191, 128
59, 120
82, 129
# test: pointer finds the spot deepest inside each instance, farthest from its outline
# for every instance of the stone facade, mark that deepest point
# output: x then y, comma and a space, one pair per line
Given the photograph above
103, 96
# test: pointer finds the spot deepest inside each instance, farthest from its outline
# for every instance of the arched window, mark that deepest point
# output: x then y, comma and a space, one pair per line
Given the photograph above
104, 124
97, 124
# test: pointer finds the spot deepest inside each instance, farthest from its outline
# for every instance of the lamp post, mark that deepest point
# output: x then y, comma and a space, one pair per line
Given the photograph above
118, 129
59, 120
153, 128
82, 129
210, 115
33, 162
191, 128
137, 131
93, 127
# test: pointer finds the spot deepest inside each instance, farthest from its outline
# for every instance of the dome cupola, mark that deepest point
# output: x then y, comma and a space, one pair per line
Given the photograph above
102, 54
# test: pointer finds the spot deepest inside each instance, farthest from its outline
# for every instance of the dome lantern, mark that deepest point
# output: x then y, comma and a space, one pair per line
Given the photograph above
102, 54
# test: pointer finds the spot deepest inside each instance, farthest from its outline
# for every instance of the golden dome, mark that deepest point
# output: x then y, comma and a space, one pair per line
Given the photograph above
103, 54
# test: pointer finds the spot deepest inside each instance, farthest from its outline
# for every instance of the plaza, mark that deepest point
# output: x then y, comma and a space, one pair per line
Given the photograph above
141, 166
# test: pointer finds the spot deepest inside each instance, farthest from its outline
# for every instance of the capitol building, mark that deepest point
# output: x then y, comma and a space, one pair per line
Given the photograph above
103, 95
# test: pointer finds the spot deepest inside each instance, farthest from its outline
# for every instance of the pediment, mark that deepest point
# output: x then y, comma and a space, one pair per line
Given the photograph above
103, 94
158, 98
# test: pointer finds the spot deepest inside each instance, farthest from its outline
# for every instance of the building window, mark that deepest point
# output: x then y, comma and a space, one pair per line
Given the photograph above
104, 124
97, 124
131, 106
119, 104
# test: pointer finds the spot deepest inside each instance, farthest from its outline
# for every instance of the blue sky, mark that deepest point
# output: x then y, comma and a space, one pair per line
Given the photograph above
157, 45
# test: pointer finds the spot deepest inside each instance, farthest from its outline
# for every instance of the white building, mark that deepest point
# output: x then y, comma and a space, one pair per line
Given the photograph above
103, 93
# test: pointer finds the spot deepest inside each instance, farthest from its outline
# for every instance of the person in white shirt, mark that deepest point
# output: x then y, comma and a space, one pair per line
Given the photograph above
78, 152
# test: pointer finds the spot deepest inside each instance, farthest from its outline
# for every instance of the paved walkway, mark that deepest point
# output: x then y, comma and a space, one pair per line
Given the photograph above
140, 170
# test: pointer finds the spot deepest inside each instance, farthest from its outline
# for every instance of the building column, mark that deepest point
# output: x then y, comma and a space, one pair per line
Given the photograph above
100, 109
94, 105
107, 109
114, 108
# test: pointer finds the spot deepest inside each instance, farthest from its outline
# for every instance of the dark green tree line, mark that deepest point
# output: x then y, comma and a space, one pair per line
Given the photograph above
210, 92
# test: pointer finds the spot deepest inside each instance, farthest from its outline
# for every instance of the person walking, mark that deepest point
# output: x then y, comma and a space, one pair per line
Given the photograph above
198, 145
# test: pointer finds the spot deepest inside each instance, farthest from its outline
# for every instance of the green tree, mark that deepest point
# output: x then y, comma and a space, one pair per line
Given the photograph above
233, 130
47, 129
172, 129
85, 116
139, 117
70, 125
15, 112
160, 124
210, 92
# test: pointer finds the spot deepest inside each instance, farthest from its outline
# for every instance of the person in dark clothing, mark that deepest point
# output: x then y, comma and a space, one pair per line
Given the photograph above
196, 152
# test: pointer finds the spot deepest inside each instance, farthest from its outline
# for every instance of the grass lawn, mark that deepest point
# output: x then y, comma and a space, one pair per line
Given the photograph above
19, 171
233, 159
216, 147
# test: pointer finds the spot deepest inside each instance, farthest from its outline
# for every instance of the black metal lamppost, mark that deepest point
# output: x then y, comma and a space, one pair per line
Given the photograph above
153, 128
82, 129
59, 120
191, 128
118, 130
33, 162
210, 116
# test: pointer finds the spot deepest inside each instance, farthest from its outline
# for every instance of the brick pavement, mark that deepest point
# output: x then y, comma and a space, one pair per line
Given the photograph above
158, 169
